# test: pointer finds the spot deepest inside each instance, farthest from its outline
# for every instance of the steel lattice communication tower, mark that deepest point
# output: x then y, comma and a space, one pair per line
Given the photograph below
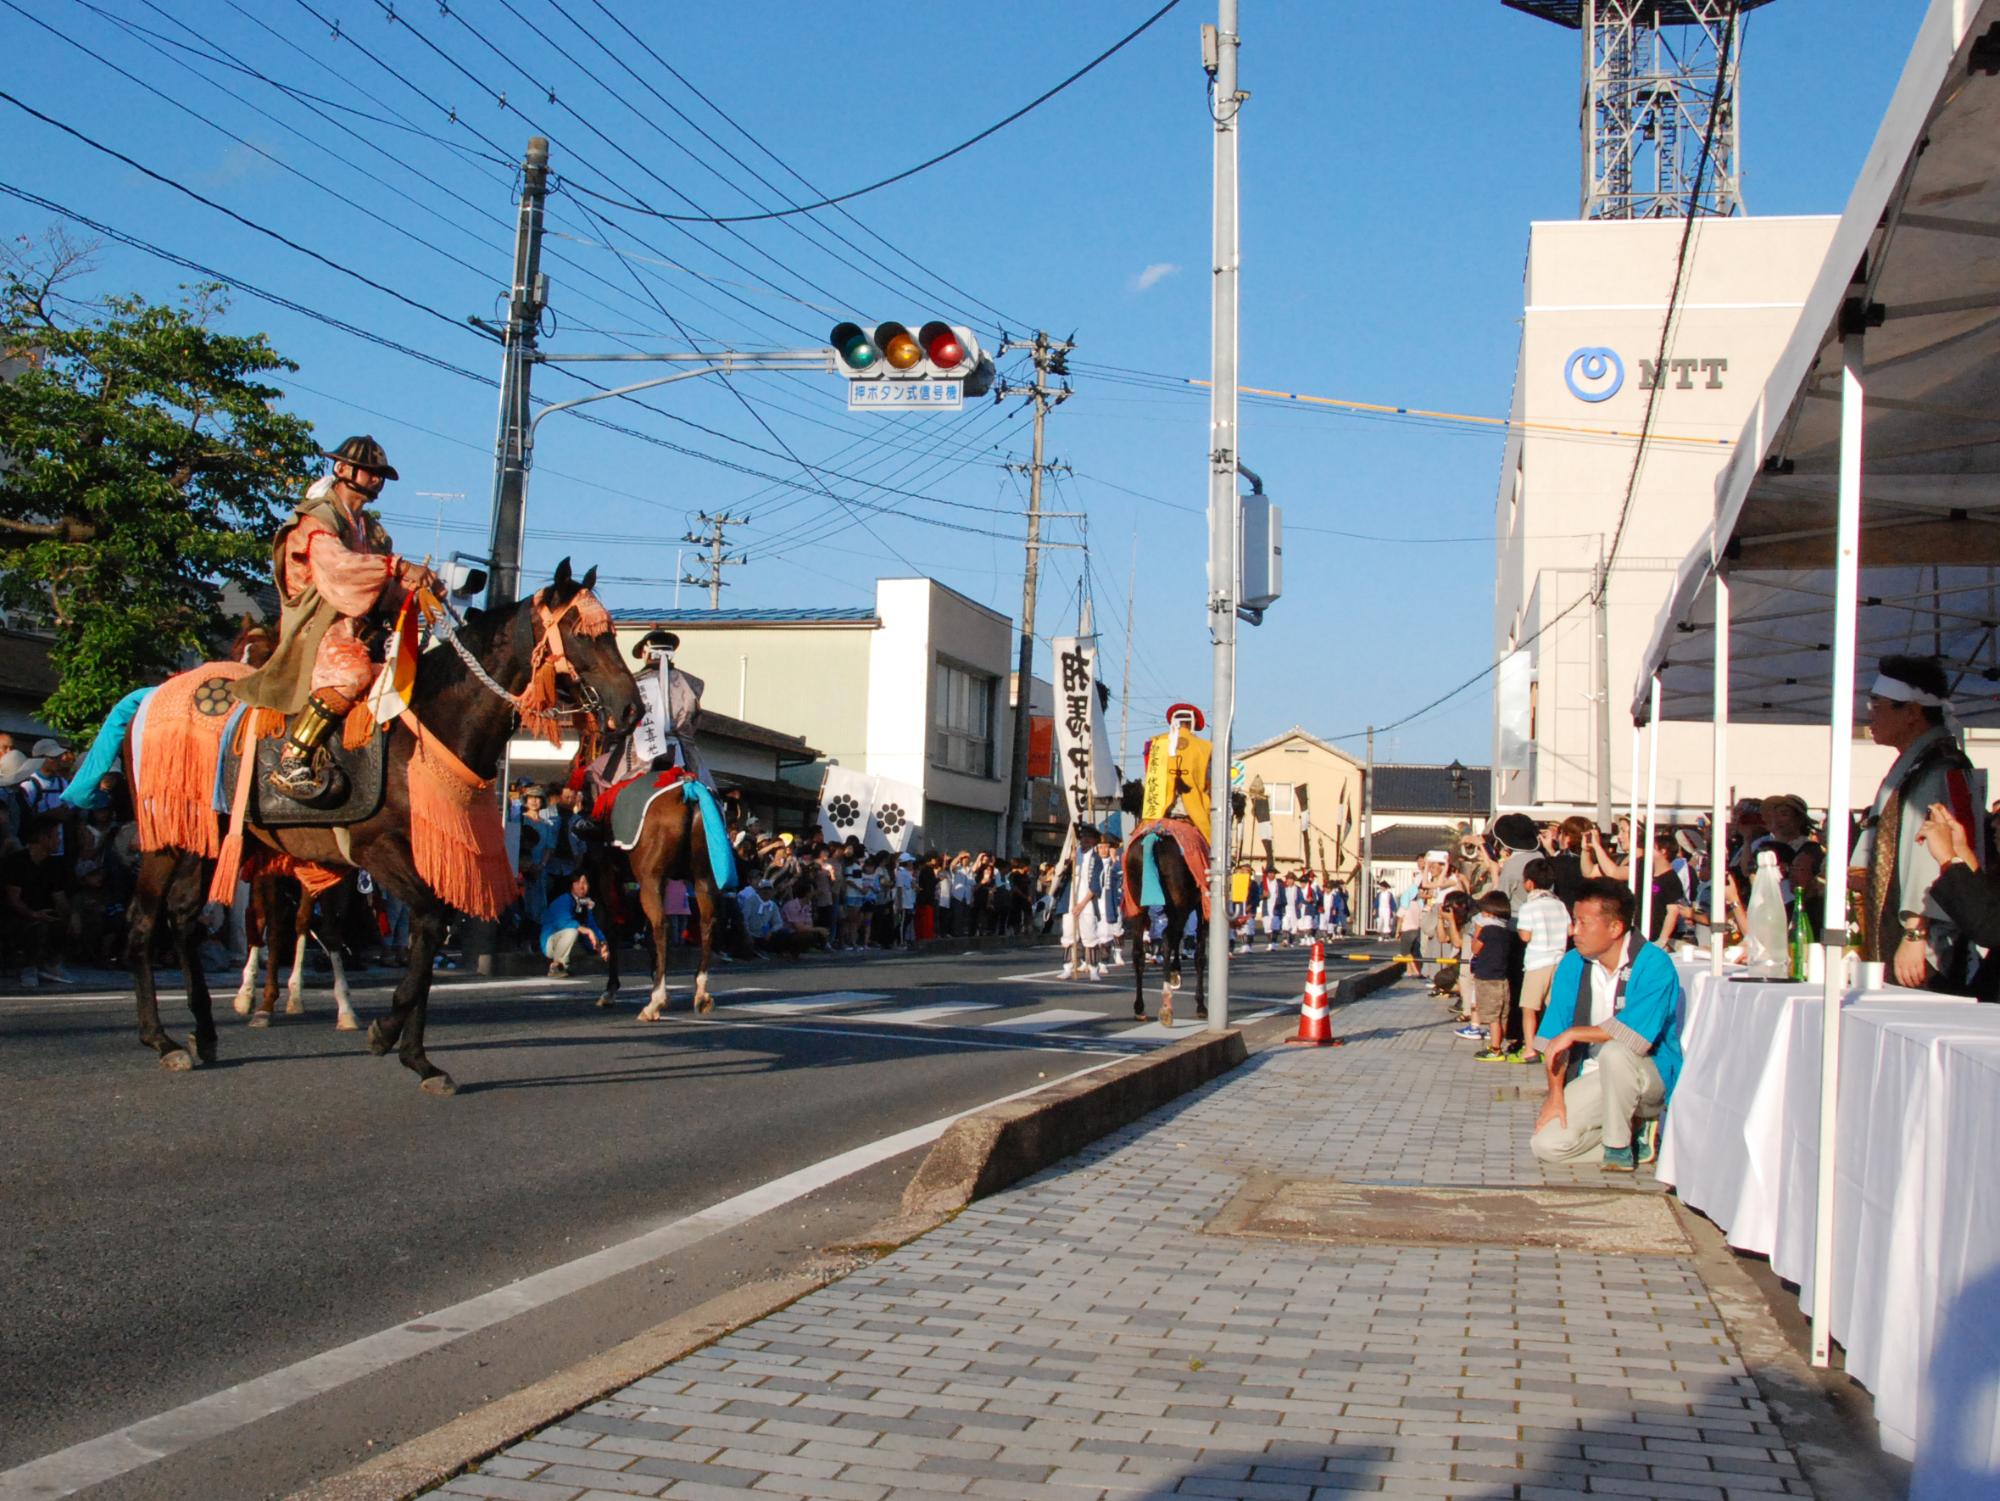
1651, 70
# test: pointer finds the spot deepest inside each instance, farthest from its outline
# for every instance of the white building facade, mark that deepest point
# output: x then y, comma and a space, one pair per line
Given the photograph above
1596, 299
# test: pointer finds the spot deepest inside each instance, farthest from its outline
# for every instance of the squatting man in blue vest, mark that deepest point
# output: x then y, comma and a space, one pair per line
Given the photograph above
1610, 1038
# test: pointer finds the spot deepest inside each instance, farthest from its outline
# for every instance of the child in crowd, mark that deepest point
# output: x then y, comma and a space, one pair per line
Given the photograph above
1493, 940
1543, 925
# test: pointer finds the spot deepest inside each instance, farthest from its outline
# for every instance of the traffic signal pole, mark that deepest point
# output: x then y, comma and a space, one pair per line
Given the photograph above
1227, 103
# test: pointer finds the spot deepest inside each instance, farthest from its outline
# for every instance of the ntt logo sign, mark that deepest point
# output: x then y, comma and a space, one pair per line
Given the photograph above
1594, 374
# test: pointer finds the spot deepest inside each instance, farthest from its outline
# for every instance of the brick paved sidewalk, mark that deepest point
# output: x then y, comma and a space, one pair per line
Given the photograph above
1082, 1336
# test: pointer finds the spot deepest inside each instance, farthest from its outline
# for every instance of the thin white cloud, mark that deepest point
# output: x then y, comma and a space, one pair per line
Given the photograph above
1153, 275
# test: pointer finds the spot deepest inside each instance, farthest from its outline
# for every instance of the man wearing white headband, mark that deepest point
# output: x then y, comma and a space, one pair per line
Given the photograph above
1891, 869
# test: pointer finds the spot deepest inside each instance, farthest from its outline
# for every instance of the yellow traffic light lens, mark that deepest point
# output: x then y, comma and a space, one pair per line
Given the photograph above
902, 352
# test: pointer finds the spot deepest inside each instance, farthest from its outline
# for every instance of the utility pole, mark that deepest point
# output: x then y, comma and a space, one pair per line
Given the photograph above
1368, 837
1125, 693
1603, 613
1219, 46
1050, 357
717, 559
524, 315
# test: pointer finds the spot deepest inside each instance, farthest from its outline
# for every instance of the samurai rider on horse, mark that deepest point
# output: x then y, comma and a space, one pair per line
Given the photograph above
339, 583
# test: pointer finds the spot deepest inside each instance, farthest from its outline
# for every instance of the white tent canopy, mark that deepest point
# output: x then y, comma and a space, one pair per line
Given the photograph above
1915, 264
1859, 514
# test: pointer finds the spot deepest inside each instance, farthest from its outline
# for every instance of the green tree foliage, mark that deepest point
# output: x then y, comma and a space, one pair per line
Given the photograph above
142, 463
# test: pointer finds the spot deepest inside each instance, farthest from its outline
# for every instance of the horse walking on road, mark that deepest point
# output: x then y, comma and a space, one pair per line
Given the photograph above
432, 842
1183, 903
282, 917
673, 845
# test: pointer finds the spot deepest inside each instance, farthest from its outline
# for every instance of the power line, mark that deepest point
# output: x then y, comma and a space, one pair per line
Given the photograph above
1475, 678
783, 196
231, 213
922, 166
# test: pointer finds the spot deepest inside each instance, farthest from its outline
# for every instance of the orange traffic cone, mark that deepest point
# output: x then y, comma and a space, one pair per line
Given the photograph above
1315, 1029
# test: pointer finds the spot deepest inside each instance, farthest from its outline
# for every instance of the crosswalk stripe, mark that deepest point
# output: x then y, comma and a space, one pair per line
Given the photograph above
1044, 1021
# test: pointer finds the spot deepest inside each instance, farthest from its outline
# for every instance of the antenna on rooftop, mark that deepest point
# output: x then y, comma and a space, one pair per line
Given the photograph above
1652, 78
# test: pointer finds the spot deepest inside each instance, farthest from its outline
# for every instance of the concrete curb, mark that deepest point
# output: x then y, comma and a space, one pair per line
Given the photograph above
985, 1152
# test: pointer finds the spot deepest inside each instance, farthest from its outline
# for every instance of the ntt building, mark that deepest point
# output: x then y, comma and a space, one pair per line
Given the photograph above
1647, 338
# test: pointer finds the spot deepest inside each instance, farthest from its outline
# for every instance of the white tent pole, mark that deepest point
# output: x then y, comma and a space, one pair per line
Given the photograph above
1645, 850
1632, 817
1833, 936
1718, 829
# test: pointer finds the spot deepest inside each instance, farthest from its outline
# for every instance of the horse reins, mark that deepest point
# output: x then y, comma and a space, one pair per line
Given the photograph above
549, 648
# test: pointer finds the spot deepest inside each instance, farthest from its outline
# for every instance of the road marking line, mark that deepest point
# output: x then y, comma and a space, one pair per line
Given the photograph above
1026, 1044
824, 1001
136, 1445
918, 1016
1045, 1021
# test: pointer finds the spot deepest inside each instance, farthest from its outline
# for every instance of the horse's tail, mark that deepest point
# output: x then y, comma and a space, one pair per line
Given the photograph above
105, 750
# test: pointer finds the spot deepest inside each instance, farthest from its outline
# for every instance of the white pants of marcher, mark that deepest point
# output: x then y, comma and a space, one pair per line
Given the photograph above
1081, 927
1600, 1106
561, 944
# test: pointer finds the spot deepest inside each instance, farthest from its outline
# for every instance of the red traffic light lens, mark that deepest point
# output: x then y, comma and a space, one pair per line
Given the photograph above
942, 346
854, 348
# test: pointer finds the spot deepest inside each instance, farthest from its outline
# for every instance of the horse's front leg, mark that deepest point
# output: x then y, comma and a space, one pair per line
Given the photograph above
653, 900
1201, 969
1135, 934
248, 988
706, 901
403, 1028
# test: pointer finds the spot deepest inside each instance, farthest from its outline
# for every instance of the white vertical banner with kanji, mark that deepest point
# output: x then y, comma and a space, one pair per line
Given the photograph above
895, 815
1081, 755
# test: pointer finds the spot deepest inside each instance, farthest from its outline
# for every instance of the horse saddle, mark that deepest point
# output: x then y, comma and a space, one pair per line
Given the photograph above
365, 772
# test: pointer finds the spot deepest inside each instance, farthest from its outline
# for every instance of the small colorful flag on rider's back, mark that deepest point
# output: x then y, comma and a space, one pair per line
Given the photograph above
393, 685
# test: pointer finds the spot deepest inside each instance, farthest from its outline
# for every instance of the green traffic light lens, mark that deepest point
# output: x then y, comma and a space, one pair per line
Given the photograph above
853, 346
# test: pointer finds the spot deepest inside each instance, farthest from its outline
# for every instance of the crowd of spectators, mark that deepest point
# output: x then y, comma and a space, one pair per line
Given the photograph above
796, 892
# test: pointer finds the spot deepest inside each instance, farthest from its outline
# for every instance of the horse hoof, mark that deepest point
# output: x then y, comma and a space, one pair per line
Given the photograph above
177, 1061
242, 1003
703, 1004
439, 1085
203, 1052
606, 1001
1166, 1013
378, 1039
651, 1013
1139, 1013
260, 1019
295, 1007
348, 1023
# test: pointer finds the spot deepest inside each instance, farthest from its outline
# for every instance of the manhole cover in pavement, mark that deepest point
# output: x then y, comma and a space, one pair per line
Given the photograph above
1601, 1221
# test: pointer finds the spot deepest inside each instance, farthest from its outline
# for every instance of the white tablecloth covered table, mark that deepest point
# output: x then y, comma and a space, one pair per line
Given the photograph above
1916, 1301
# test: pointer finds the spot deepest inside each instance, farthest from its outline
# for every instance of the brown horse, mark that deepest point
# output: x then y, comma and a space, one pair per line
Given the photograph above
282, 916
560, 629
279, 917
672, 846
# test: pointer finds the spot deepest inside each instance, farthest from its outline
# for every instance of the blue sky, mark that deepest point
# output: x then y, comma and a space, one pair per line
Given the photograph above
1392, 159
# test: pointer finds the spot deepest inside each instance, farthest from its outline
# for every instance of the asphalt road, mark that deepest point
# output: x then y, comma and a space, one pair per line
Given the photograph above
168, 1236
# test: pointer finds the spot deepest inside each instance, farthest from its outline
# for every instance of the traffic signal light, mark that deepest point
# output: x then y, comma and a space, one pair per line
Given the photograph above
937, 351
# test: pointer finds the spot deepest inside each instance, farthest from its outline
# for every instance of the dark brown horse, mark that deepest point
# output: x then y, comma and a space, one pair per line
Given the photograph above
1183, 905
471, 721
672, 846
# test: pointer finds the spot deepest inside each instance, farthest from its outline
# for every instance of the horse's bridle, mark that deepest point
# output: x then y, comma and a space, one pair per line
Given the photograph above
549, 650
